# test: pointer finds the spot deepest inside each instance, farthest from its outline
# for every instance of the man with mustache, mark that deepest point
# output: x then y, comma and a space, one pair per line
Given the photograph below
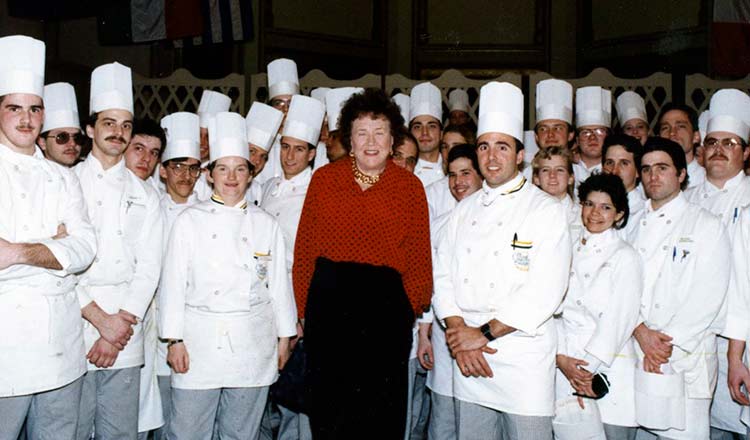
115, 291
725, 192
45, 238
61, 138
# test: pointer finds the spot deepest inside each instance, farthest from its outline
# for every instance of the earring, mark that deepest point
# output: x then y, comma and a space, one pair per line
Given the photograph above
351, 154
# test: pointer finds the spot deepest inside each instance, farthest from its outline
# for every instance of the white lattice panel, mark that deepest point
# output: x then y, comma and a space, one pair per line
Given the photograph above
181, 91
449, 80
699, 88
656, 90
314, 79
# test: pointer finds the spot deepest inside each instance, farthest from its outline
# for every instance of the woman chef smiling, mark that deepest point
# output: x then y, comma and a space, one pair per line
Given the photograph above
227, 309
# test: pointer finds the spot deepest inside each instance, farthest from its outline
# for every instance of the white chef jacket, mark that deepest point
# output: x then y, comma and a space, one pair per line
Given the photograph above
696, 174
429, 172
573, 215
124, 275
505, 255
283, 199
254, 194
685, 253
439, 198
225, 291
727, 203
42, 344
273, 164
582, 172
598, 316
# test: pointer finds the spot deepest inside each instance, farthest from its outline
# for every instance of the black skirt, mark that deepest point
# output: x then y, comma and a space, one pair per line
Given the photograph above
358, 335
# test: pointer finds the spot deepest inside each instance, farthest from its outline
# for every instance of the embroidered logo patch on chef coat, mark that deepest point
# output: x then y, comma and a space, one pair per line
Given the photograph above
261, 264
521, 253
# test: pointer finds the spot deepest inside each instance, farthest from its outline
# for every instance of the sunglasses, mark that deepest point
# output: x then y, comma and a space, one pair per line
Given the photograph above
63, 137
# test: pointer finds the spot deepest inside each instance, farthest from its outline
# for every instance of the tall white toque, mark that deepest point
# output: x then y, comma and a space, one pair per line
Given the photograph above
501, 110
554, 100
730, 112
320, 93
458, 99
183, 136
593, 106
403, 102
263, 122
629, 106
111, 88
335, 99
60, 107
426, 100
282, 78
21, 65
703, 123
212, 103
304, 119
227, 136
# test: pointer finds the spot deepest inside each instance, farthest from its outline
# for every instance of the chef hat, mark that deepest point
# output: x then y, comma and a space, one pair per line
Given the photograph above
263, 122
593, 106
282, 78
629, 106
426, 100
730, 111
304, 119
183, 136
320, 93
335, 99
501, 110
458, 99
21, 65
703, 123
60, 107
227, 136
403, 102
111, 88
212, 103
529, 145
554, 100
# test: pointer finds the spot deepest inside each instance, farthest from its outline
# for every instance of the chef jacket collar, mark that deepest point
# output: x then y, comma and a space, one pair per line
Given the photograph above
15, 158
117, 169
218, 200
489, 194
421, 163
731, 183
300, 179
592, 241
672, 209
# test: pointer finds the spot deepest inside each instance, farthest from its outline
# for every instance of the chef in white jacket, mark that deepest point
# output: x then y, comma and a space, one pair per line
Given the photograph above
597, 319
501, 271
45, 238
725, 192
117, 288
283, 83
283, 197
225, 304
263, 122
552, 171
593, 122
685, 253
426, 113
464, 180
554, 114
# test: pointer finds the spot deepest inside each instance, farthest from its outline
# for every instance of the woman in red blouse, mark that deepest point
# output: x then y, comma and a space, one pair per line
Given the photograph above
362, 270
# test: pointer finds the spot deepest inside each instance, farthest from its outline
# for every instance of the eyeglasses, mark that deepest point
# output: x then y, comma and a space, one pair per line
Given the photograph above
591, 132
726, 143
63, 137
181, 168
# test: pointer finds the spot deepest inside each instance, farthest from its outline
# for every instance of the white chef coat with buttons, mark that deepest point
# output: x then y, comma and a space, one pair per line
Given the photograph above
126, 214
42, 343
685, 253
598, 316
283, 199
429, 172
439, 198
696, 174
254, 194
225, 291
505, 255
727, 203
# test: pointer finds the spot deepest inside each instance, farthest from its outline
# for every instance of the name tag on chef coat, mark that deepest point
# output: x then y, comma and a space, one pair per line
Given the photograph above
521, 249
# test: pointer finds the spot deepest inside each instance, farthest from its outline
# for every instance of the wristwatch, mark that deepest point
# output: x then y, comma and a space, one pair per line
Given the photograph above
485, 329
173, 341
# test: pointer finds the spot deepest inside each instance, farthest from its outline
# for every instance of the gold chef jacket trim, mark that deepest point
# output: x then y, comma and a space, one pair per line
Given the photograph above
217, 199
517, 187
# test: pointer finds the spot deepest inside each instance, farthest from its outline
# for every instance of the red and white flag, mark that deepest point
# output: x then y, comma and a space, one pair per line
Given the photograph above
730, 38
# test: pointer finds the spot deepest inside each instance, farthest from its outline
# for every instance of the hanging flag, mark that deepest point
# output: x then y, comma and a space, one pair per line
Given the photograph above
730, 38
224, 21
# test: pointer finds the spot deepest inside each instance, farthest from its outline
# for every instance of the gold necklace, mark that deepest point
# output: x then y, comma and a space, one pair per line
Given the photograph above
363, 178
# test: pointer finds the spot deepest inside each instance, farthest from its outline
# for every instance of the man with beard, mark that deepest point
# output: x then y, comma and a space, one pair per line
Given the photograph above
61, 138
115, 291
679, 123
725, 192
593, 119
